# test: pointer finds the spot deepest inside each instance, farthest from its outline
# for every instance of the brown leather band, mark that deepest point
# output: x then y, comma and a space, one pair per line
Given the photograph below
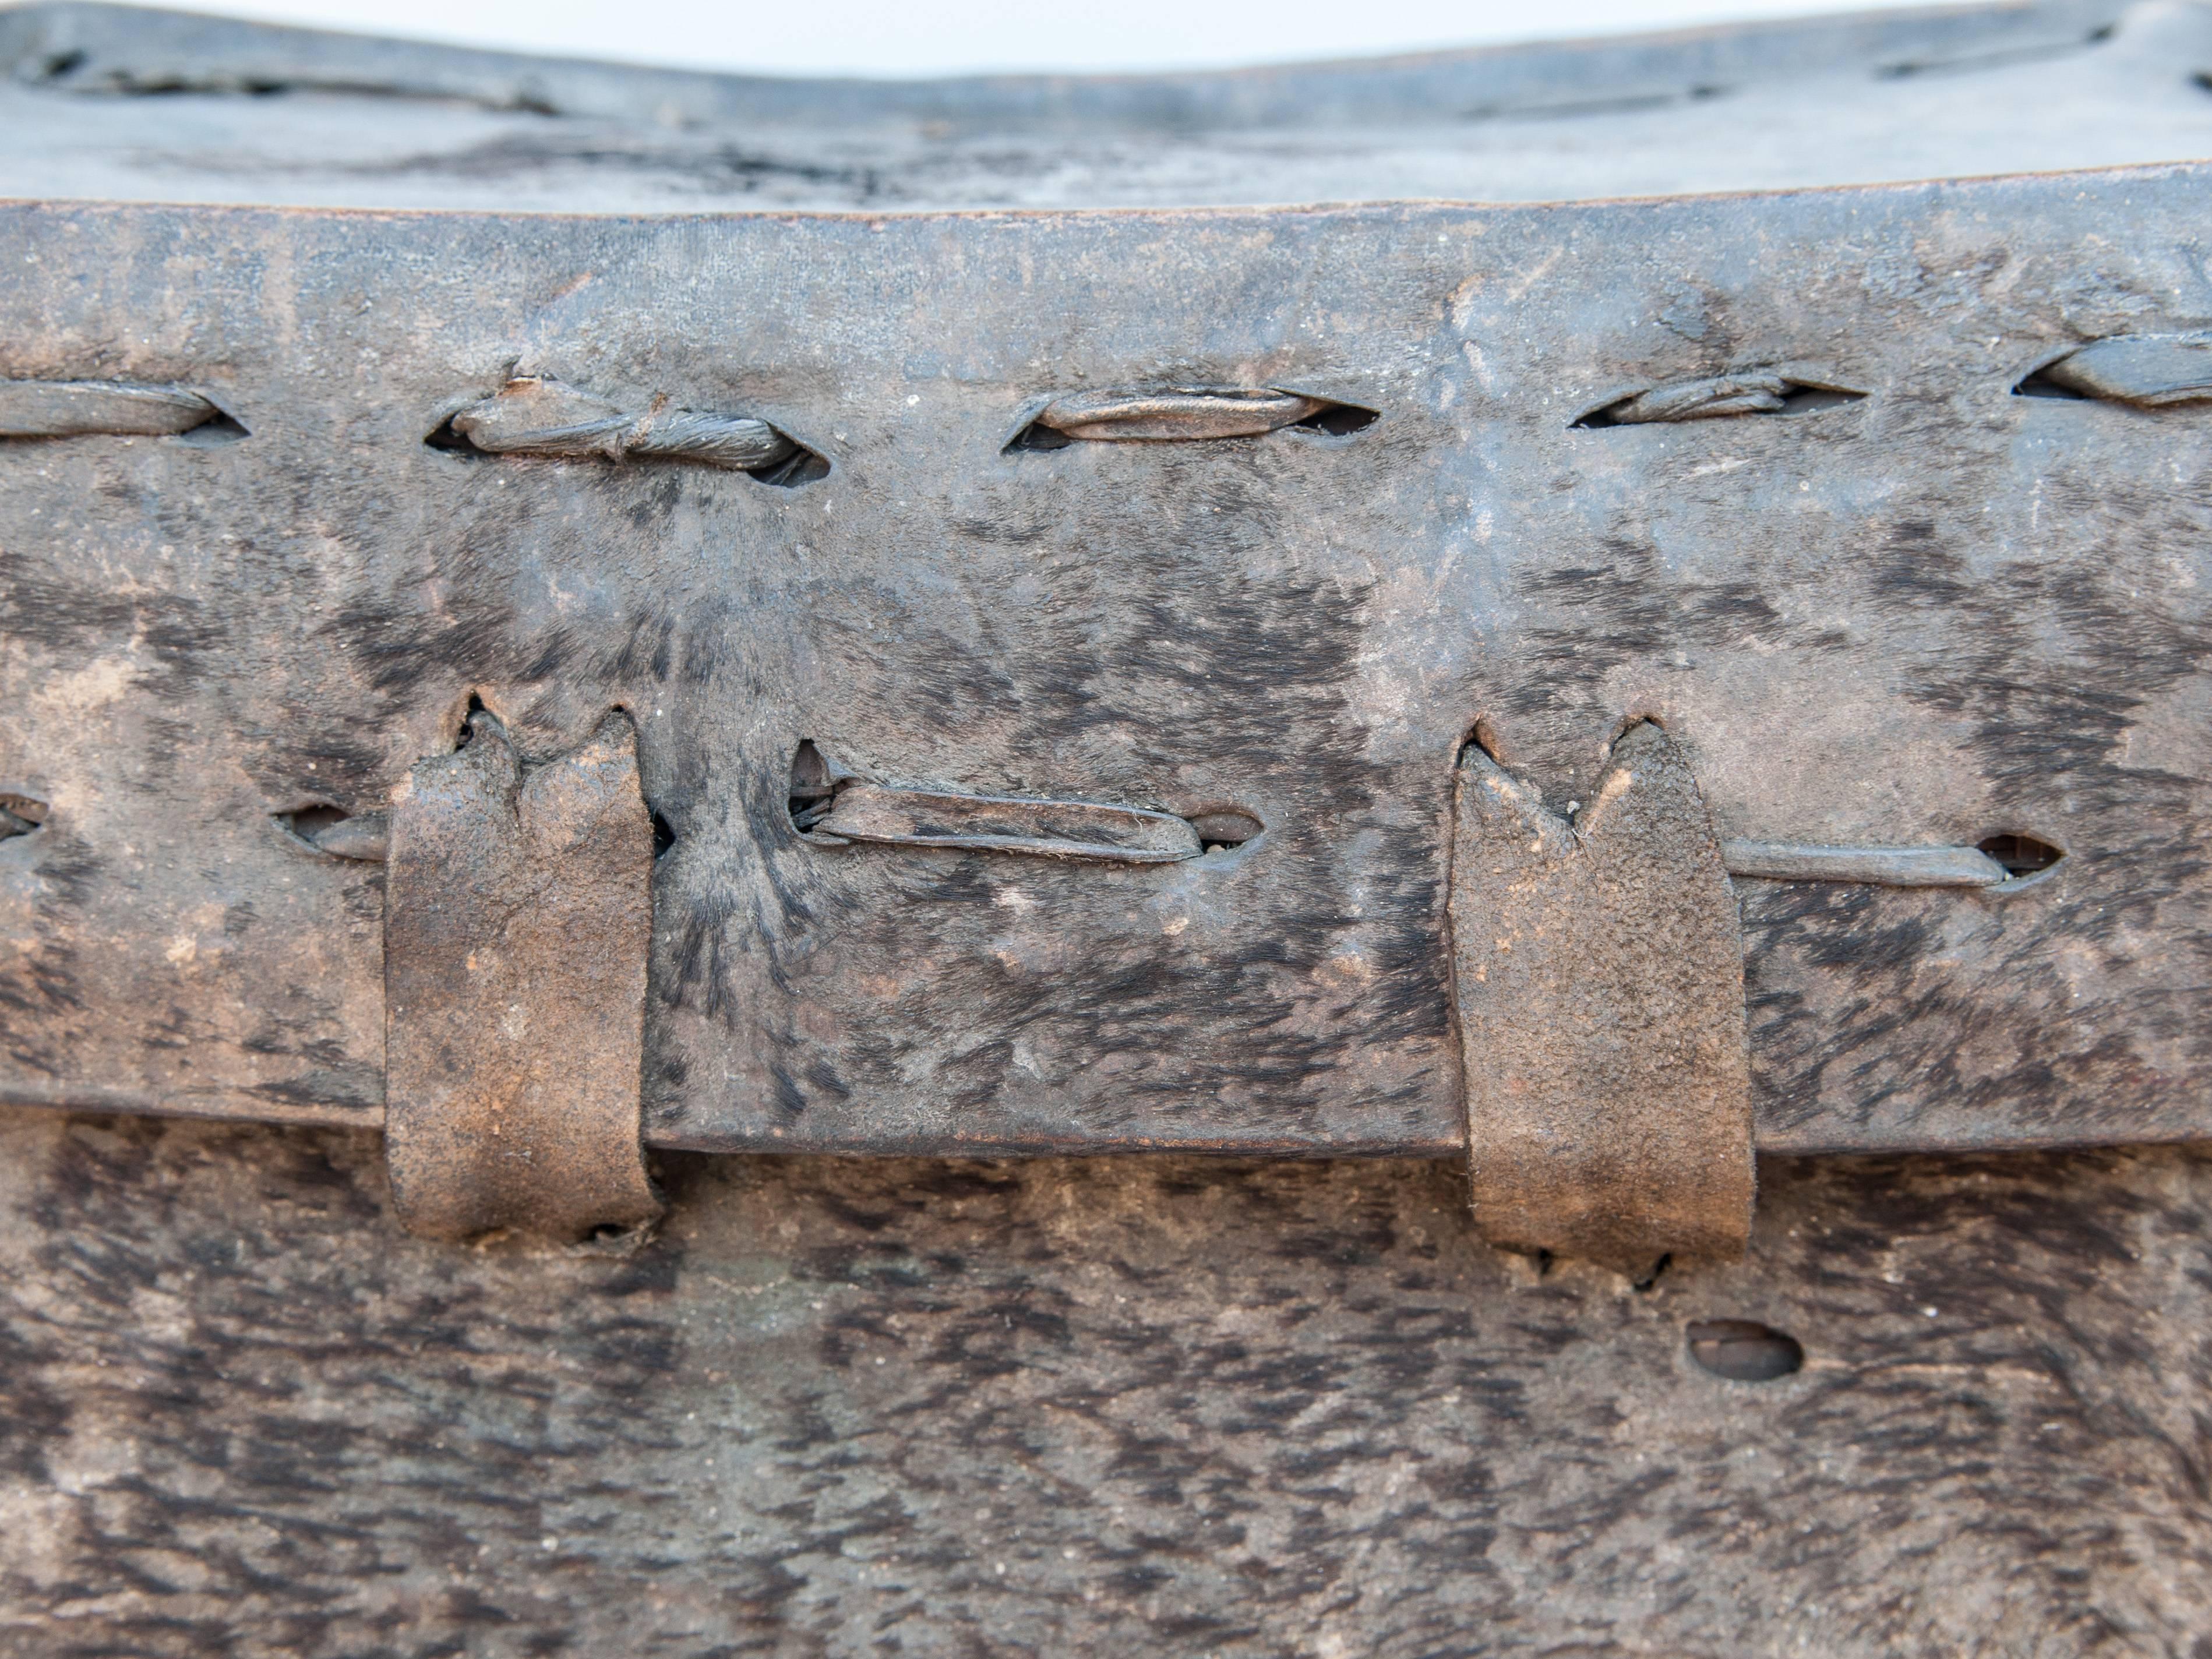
519, 916
1599, 981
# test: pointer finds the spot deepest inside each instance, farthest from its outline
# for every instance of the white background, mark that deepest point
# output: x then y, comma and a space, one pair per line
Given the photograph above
906, 38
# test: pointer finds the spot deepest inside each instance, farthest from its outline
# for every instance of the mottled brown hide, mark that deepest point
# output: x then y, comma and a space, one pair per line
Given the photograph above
517, 925
1564, 465
842, 1408
1600, 988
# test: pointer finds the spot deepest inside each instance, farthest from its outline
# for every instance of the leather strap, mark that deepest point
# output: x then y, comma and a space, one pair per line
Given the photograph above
1599, 983
518, 919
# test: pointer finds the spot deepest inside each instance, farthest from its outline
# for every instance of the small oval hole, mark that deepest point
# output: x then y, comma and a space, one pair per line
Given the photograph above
445, 439
1650, 1281
2020, 855
1744, 1350
476, 707
2041, 385
1037, 435
20, 816
664, 836
218, 429
309, 821
1339, 420
801, 466
1228, 826
813, 787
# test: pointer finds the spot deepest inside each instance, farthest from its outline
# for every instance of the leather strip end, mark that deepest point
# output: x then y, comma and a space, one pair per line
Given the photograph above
1598, 974
518, 921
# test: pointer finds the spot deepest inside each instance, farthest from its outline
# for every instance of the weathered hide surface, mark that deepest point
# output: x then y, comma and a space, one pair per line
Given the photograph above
837, 1406
846, 1407
1930, 613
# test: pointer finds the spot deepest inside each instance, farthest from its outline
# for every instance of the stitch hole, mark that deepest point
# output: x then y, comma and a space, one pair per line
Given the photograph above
450, 441
476, 707
309, 821
218, 429
1228, 826
2041, 385
1339, 420
801, 466
1812, 399
813, 787
2022, 856
1997, 57
1744, 1350
20, 816
338, 834
1184, 414
1038, 436
687, 439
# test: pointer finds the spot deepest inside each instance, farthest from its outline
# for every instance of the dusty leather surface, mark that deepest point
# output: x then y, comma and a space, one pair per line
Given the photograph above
1938, 613
1599, 979
1181, 1407
517, 924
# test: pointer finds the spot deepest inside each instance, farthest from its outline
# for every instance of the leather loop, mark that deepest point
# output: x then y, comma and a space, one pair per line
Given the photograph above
519, 914
1599, 979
